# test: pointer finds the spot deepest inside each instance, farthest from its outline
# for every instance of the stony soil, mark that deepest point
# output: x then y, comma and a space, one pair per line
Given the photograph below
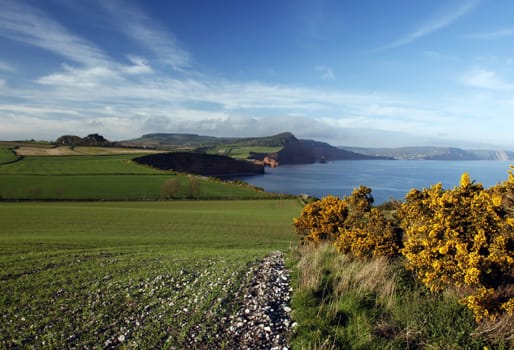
263, 318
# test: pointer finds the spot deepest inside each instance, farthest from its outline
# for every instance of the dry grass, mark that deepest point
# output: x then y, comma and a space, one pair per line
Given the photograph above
346, 302
374, 275
500, 329
43, 151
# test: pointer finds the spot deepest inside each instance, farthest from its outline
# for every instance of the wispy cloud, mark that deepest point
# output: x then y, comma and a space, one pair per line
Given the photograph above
149, 34
139, 65
498, 34
78, 78
4, 66
446, 17
486, 79
29, 25
326, 73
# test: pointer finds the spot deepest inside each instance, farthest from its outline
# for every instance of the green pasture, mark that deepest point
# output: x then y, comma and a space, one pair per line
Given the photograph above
116, 187
113, 177
242, 152
7, 155
77, 165
130, 274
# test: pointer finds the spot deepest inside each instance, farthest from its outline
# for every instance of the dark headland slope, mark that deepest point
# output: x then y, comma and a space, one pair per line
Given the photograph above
296, 151
201, 164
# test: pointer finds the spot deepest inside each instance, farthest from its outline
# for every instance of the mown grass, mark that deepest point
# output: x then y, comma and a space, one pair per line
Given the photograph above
347, 303
130, 274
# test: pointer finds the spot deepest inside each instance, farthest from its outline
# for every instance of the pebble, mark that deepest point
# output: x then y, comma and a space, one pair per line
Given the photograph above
263, 321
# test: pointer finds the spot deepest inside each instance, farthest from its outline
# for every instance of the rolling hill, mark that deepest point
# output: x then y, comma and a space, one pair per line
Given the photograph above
282, 148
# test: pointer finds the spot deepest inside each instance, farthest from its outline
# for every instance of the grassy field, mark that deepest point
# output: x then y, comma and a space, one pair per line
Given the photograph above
77, 165
30, 150
241, 152
104, 177
7, 155
130, 274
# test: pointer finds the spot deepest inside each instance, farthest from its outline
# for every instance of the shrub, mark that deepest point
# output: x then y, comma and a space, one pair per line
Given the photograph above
374, 235
321, 220
462, 237
351, 223
170, 188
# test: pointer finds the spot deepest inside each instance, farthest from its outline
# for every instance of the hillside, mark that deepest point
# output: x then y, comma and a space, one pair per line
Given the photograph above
283, 148
201, 164
434, 153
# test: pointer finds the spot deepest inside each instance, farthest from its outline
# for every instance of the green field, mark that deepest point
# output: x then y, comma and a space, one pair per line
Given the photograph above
77, 165
113, 177
130, 274
241, 151
7, 155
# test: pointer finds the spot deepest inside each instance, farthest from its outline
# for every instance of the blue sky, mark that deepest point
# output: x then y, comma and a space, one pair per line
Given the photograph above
362, 73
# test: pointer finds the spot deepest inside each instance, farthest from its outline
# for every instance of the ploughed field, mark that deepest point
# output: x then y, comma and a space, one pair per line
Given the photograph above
130, 274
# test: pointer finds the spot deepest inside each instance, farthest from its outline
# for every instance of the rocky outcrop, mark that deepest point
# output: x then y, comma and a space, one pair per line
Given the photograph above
201, 164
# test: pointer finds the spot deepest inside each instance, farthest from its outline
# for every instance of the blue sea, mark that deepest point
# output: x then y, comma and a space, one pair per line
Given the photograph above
387, 178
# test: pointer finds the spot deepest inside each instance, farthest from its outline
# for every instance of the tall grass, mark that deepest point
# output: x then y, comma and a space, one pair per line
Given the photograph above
346, 303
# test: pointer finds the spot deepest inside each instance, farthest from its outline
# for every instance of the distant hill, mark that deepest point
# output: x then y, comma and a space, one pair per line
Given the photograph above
434, 153
283, 148
173, 141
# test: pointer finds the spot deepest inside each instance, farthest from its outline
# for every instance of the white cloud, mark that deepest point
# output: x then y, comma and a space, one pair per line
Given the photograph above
139, 66
149, 34
29, 25
486, 79
443, 19
77, 78
498, 34
124, 99
326, 73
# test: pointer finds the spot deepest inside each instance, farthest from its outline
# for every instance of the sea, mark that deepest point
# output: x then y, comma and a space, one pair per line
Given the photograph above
388, 179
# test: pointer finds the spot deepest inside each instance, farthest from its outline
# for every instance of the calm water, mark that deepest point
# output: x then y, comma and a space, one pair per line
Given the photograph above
387, 178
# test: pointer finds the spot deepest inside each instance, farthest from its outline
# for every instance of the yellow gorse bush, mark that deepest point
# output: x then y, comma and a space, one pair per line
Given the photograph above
462, 237
351, 223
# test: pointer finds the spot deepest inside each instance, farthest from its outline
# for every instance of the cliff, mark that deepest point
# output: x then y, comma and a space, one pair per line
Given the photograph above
296, 151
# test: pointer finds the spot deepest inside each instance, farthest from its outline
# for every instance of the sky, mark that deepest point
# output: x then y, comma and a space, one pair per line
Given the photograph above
355, 73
